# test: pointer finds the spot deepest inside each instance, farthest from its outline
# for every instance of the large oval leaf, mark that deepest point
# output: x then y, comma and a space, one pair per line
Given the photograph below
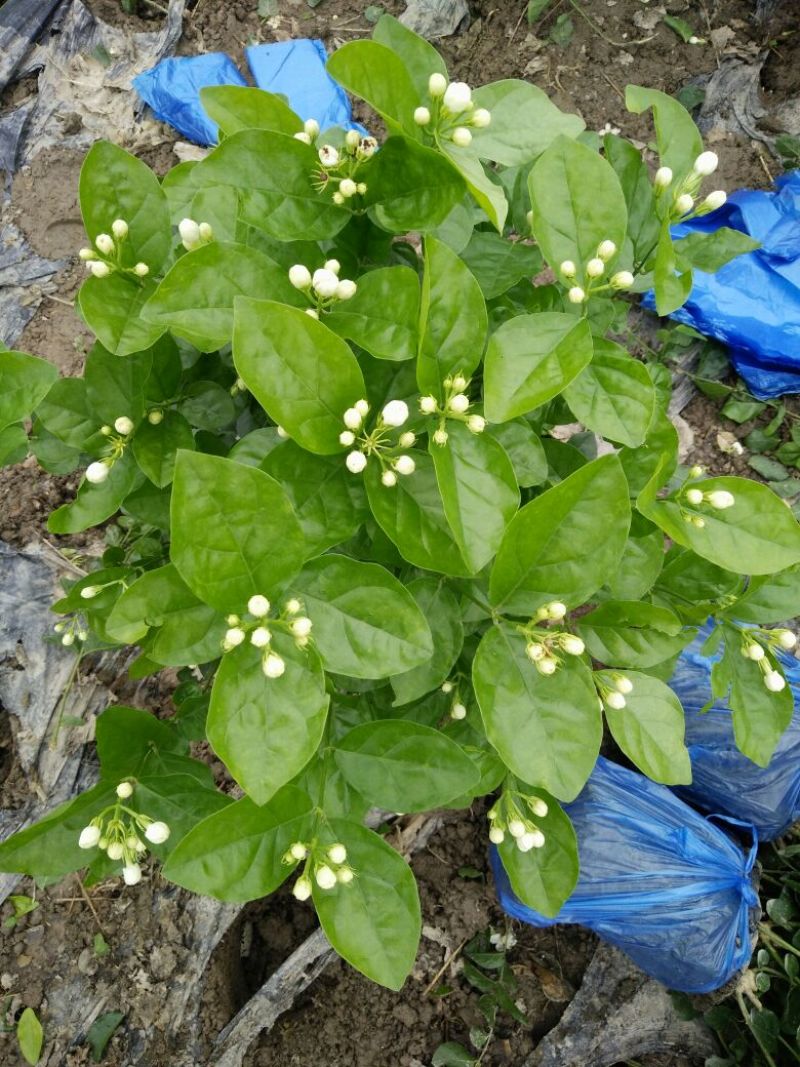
440, 607
613, 395
241, 107
524, 123
24, 383
625, 633
383, 316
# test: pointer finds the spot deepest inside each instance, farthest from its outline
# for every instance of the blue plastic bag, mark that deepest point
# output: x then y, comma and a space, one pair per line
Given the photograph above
723, 779
172, 89
657, 880
753, 303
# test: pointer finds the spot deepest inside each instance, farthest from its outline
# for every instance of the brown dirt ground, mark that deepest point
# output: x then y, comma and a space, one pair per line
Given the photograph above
614, 42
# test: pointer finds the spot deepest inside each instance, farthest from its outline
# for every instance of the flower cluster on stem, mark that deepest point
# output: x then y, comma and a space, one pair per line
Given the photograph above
338, 168
679, 200
595, 271
106, 256
545, 647
458, 709
378, 443
194, 234
456, 406
513, 814
257, 627
760, 646
118, 438
449, 112
323, 288
326, 866
612, 688
692, 497
119, 832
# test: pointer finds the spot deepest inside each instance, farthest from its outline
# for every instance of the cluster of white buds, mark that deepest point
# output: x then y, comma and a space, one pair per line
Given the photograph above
106, 256
309, 133
392, 456
116, 830
450, 111
596, 267
339, 167
258, 629
70, 630
458, 709
456, 406
513, 814
118, 437
194, 234
324, 287
694, 496
753, 649
542, 647
612, 689
684, 196
327, 866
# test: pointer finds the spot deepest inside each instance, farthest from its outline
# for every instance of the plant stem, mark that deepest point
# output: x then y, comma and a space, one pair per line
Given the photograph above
746, 1017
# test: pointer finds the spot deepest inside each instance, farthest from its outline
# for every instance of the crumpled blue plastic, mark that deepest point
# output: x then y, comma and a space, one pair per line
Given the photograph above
172, 89
723, 779
753, 303
659, 881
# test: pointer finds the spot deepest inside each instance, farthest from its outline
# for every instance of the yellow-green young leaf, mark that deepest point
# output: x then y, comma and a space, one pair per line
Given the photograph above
30, 1036
650, 729
234, 532
614, 395
453, 319
545, 729
379, 76
383, 316
266, 730
629, 633
301, 373
524, 123
440, 607
488, 193
543, 878
374, 921
24, 383
400, 765
679, 140
577, 203
757, 535
556, 549
237, 854
532, 358
366, 625
240, 107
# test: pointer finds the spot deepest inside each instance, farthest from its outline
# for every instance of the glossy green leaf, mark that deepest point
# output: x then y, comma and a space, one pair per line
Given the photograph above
544, 878
487, 192
440, 607
24, 382
234, 532
112, 308
156, 447
679, 140
769, 599
379, 76
672, 286
524, 123
116, 385
240, 107
383, 316
613, 395
419, 57
641, 562
629, 633
126, 737
411, 187
182, 801
13, 445
497, 263
301, 373
711, 251
65, 412
637, 187
207, 406
524, 448
95, 503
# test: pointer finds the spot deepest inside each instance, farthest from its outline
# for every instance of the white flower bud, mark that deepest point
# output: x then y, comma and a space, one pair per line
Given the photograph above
87, 254
301, 627
89, 592
437, 84
407, 439
273, 666
352, 418
234, 637
698, 521
715, 200
362, 407
353, 139
298, 851
576, 295
132, 874
332, 265
260, 637
496, 835
324, 282
476, 423
481, 118
395, 413
293, 606
89, 837
337, 854
595, 267
774, 681
344, 875
568, 268
535, 651
311, 127
440, 437
348, 188
141, 270
422, 116
705, 164
155, 416
98, 269
346, 289
258, 606
96, 472
754, 652
157, 833
533, 839
696, 471
189, 233
539, 807
785, 638
427, 405
458, 403
362, 188
104, 243
389, 479
556, 610
663, 177
458, 711
206, 232
684, 204
367, 147
283, 434
119, 228
623, 685
623, 279
300, 276
123, 425
606, 249
516, 828
546, 665
303, 137
457, 97
694, 496
447, 687
573, 645
405, 465
328, 156
355, 462
461, 137
67, 640
124, 790
115, 850
615, 701
312, 313
346, 438
301, 890
325, 878
721, 499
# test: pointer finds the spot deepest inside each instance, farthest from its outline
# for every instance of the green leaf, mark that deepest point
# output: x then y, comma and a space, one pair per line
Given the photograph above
115, 385
625, 633
127, 736
95, 503
404, 766
383, 316
478, 489
555, 549
451, 1054
280, 198
671, 288
411, 514
419, 57
497, 263
195, 299
641, 563
379, 76
711, 251
112, 308
487, 192
13, 445
180, 800
65, 412
650, 728
240, 107
524, 123
759, 716
544, 878
101, 1031
769, 599
301, 373
411, 187
117, 185
680, 27
207, 406
562, 30
366, 625
156, 447
577, 203
440, 607
236, 854
637, 188
758, 535
613, 395
234, 532
453, 319
530, 359
679, 140
30, 1036
524, 448
374, 922
546, 730
266, 729
24, 383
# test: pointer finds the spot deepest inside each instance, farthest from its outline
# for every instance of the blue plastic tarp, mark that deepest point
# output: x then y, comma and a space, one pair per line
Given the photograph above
723, 779
667, 886
753, 303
